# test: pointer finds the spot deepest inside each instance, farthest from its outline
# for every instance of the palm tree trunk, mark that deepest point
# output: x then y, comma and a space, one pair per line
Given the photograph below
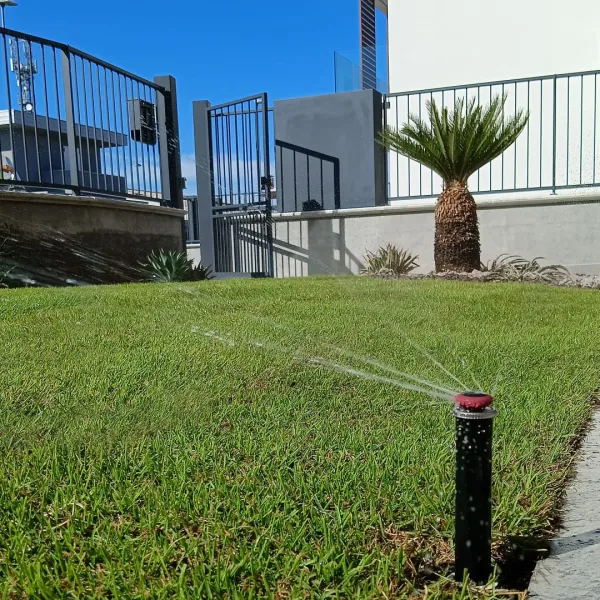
457, 245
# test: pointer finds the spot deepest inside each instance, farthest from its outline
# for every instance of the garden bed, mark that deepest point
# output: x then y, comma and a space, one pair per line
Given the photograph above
575, 281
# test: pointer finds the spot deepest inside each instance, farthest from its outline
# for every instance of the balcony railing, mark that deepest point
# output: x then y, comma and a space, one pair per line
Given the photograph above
559, 149
348, 76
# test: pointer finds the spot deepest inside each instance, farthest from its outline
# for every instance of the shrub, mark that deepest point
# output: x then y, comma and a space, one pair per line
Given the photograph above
175, 266
200, 273
389, 260
512, 267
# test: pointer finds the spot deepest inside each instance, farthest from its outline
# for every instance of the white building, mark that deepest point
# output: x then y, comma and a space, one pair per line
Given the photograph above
543, 55
437, 43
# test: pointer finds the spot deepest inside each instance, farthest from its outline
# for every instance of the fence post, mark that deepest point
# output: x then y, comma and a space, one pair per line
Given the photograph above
170, 152
204, 181
70, 119
553, 137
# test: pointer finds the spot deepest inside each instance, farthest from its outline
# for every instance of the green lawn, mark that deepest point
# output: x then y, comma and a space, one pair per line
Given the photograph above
141, 458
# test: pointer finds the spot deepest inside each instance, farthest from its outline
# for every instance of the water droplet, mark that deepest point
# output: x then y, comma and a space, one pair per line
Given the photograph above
468, 543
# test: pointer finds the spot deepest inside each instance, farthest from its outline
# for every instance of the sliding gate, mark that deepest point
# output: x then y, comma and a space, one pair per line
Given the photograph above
241, 187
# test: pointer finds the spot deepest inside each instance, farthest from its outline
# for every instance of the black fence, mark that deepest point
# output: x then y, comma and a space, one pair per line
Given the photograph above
72, 121
240, 151
306, 180
559, 149
240, 170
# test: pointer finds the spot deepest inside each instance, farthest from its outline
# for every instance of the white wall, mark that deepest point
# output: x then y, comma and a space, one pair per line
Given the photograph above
561, 228
564, 230
437, 43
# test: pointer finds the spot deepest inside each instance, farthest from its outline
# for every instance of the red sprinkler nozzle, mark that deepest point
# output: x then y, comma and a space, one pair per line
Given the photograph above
474, 400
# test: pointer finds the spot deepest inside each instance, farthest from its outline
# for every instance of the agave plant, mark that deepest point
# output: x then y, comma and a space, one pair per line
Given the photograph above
200, 273
174, 266
502, 263
513, 267
389, 260
456, 144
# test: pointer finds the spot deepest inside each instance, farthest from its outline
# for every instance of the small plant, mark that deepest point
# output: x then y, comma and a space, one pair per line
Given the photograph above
517, 268
200, 273
502, 263
175, 266
389, 260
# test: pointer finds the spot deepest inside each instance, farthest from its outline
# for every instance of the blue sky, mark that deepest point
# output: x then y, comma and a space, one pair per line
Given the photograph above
218, 50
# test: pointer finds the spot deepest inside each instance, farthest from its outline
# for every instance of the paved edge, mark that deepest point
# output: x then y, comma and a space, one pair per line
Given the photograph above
571, 571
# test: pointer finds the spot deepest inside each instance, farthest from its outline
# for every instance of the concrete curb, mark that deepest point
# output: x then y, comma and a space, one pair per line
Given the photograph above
571, 571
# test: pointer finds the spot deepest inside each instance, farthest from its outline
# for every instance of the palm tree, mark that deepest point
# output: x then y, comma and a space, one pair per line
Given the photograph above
455, 145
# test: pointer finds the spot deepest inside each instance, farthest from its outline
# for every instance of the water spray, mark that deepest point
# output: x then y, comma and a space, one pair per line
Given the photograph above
474, 420
473, 529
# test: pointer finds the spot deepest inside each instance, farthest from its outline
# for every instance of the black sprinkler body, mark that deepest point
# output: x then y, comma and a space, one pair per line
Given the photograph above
473, 529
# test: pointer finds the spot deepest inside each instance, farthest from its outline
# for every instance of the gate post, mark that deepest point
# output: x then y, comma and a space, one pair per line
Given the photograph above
204, 181
170, 152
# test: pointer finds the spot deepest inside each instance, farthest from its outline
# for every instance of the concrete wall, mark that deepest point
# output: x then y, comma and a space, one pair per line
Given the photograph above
560, 228
437, 43
90, 240
342, 126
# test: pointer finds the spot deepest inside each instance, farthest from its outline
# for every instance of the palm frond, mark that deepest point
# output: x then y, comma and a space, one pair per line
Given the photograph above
455, 144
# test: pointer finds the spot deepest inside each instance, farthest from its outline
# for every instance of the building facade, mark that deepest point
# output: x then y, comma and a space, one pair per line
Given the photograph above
435, 43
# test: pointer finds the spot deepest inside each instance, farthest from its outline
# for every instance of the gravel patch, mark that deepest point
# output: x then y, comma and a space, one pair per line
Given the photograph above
575, 281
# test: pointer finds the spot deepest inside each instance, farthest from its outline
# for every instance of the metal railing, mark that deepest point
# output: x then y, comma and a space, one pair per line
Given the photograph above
300, 185
73, 121
241, 155
559, 148
240, 168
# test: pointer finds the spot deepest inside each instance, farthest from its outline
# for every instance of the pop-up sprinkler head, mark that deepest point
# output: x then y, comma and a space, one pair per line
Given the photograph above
474, 400
473, 529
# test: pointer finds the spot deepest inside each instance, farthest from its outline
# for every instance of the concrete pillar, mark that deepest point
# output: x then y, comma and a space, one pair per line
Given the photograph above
204, 203
327, 155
